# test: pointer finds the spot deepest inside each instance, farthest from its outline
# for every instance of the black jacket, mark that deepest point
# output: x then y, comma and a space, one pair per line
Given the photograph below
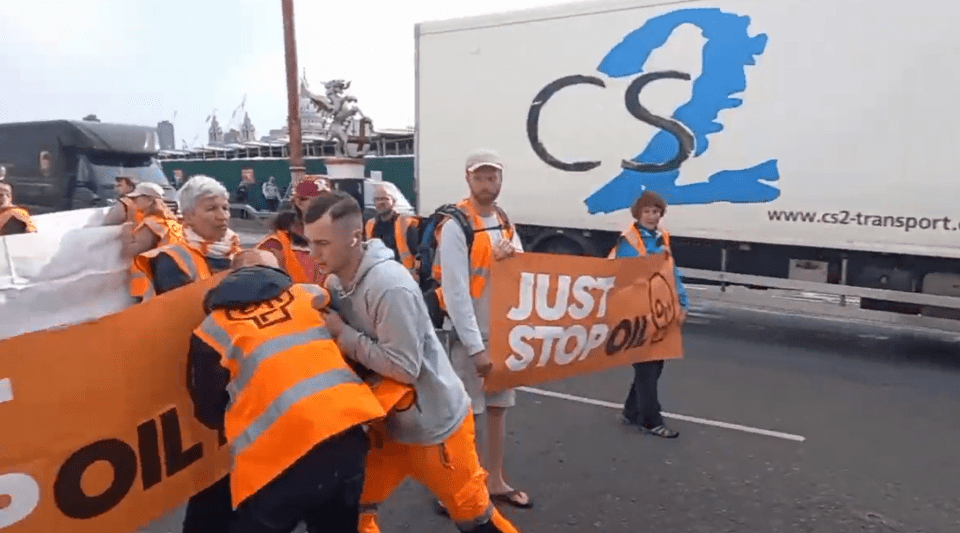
206, 378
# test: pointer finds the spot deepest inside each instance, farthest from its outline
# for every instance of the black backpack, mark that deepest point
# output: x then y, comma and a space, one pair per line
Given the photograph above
427, 252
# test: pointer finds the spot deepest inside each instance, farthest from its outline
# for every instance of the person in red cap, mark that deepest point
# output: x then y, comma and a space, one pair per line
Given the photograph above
287, 242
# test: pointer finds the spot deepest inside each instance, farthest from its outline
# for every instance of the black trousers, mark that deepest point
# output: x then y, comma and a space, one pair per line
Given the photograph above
322, 488
642, 406
210, 510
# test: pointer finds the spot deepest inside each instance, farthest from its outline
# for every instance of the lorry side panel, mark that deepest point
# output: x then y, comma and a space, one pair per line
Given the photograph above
810, 122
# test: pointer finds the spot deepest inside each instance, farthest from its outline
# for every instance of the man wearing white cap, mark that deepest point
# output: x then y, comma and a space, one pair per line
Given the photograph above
159, 226
467, 299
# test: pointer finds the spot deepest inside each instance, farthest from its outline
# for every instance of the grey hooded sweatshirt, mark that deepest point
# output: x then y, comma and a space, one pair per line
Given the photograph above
388, 330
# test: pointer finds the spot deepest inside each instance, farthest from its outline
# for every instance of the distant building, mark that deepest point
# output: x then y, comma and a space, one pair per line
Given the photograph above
248, 133
215, 133
168, 141
232, 137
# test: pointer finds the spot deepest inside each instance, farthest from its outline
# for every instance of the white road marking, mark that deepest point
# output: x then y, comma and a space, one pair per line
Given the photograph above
6, 390
685, 418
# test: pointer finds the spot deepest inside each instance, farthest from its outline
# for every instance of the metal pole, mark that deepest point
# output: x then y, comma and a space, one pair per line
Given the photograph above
297, 168
723, 267
843, 280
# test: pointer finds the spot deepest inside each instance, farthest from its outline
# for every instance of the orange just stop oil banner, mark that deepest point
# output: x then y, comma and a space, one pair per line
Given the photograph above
559, 316
97, 432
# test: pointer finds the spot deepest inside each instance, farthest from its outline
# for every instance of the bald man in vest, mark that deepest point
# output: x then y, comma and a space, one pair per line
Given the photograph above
399, 233
265, 370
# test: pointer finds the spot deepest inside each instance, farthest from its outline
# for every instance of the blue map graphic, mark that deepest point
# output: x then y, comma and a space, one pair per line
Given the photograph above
727, 53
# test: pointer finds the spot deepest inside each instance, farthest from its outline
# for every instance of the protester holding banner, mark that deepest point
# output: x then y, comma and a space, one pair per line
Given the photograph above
643, 237
209, 248
209, 244
385, 326
465, 282
287, 243
295, 408
13, 219
125, 210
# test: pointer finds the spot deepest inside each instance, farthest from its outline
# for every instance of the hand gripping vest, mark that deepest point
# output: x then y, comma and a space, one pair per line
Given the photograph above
400, 227
481, 252
290, 388
190, 260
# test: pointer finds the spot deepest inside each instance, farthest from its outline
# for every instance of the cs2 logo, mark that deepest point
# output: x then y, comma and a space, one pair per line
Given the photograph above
728, 51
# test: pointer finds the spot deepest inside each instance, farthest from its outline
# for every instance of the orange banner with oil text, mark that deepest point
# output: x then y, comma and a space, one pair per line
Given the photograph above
98, 433
559, 316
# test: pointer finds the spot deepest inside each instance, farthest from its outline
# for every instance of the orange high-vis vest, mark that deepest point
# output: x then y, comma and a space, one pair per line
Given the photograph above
633, 238
291, 264
133, 214
290, 387
166, 227
20, 214
400, 227
188, 258
481, 253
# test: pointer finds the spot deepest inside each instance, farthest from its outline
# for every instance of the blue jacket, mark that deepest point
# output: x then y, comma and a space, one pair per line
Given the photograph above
654, 244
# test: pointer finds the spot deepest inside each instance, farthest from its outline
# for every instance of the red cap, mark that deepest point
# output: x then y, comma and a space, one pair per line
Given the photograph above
307, 189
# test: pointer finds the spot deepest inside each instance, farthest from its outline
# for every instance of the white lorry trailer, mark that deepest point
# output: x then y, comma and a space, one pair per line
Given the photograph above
807, 142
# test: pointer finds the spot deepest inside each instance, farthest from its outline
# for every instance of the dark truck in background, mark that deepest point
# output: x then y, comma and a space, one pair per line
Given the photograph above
61, 165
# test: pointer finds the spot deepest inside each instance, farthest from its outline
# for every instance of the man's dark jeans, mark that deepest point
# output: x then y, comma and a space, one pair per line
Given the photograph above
322, 488
210, 510
642, 406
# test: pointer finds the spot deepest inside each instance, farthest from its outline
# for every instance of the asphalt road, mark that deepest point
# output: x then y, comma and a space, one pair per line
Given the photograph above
867, 432
880, 422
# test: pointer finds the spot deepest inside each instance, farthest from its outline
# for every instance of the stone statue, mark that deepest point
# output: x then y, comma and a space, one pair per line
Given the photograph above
343, 112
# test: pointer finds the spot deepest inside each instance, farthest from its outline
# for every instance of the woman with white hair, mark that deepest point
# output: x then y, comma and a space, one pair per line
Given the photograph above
208, 244
209, 247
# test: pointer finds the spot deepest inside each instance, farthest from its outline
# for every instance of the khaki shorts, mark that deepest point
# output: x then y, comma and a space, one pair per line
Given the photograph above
463, 365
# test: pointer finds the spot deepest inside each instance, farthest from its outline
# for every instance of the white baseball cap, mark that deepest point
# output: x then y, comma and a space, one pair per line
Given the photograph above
147, 189
483, 158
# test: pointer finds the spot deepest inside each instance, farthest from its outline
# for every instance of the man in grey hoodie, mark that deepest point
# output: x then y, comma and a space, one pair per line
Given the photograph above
383, 324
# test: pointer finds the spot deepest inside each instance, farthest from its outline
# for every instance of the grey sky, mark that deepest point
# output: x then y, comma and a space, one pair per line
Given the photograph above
139, 61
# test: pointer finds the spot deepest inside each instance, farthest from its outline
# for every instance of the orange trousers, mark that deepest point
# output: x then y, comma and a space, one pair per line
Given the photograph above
450, 470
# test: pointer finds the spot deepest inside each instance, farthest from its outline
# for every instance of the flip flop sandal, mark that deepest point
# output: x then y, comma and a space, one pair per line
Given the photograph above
511, 498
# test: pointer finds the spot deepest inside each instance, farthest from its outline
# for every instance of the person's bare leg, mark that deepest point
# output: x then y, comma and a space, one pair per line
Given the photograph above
496, 444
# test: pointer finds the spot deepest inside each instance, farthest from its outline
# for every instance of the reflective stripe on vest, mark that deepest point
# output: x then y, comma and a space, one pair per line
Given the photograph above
189, 261
634, 239
20, 214
291, 264
481, 253
401, 225
290, 388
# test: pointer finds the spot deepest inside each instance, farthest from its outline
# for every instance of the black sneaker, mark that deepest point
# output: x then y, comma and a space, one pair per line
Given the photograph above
661, 431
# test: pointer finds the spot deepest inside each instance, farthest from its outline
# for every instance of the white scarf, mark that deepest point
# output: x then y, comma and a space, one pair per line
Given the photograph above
224, 248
